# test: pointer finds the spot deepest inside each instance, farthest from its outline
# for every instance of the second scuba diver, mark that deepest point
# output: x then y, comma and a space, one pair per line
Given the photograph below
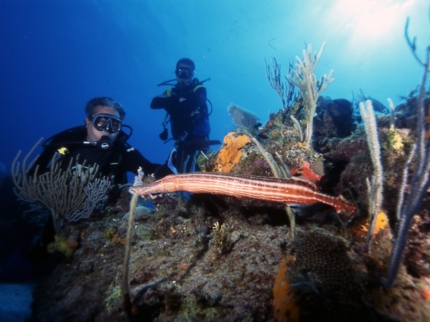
187, 112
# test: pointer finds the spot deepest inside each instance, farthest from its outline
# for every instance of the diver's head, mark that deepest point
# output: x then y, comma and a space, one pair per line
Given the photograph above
185, 69
104, 118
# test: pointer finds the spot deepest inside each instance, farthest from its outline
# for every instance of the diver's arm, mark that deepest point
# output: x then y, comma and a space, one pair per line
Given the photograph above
158, 102
164, 102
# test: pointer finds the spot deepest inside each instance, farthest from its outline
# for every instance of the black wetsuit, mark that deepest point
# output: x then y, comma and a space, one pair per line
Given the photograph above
113, 163
189, 119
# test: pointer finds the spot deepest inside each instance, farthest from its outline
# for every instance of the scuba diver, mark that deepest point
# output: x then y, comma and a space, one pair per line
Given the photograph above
101, 141
187, 112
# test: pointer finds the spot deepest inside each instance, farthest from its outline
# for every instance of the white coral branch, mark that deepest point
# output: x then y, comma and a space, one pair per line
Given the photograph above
304, 78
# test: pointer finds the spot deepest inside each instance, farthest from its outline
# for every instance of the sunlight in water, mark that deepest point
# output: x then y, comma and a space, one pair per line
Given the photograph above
371, 18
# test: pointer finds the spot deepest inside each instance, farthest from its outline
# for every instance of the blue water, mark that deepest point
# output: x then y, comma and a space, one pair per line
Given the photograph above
15, 300
56, 55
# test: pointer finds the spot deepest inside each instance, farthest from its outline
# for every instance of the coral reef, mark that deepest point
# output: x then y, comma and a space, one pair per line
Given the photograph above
177, 272
218, 258
227, 251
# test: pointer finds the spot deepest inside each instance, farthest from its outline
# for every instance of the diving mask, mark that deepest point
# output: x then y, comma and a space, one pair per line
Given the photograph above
107, 123
184, 72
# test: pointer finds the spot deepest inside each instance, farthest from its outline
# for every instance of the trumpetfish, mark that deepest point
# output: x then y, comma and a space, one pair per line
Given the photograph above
287, 191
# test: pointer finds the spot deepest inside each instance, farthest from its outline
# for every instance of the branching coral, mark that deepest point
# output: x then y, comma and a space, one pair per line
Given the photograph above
71, 195
285, 90
375, 185
304, 78
406, 208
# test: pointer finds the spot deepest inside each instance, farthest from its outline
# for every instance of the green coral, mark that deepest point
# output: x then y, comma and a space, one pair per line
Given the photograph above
109, 233
114, 298
394, 141
60, 244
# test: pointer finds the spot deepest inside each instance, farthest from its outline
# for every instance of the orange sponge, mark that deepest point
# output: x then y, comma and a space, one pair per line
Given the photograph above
284, 304
381, 222
231, 152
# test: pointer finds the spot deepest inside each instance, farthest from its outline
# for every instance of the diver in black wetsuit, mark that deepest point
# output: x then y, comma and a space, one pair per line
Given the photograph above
101, 141
187, 111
